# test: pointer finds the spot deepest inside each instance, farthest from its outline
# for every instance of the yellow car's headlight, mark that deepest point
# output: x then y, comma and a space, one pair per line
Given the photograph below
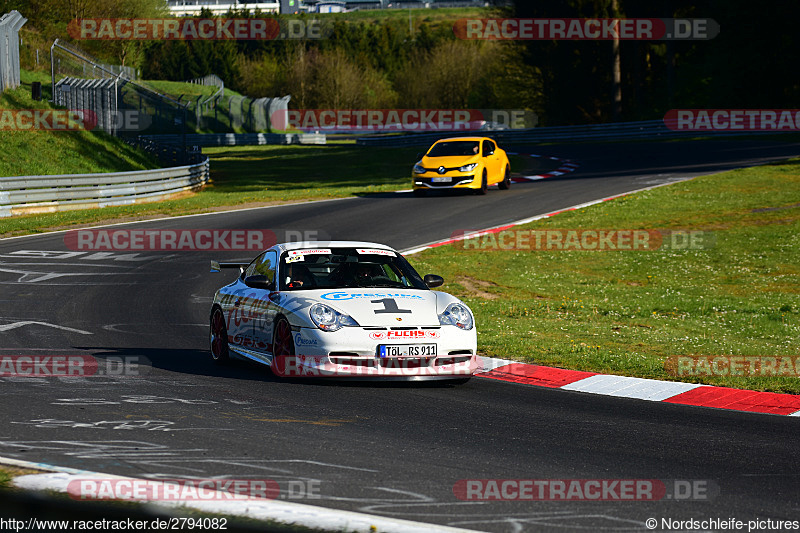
468, 168
419, 169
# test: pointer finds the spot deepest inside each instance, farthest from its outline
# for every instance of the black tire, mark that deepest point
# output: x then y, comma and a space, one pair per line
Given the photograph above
484, 185
218, 338
506, 183
282, 342
419, 193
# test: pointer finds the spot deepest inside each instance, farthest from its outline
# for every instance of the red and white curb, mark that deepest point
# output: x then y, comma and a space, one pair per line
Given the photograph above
641, 389
621, 386
566, 167
59, 478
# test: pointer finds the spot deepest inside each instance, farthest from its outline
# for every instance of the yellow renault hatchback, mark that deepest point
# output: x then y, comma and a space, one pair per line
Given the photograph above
462, 163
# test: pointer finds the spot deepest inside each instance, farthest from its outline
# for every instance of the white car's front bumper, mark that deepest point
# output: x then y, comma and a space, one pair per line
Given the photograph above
354, 352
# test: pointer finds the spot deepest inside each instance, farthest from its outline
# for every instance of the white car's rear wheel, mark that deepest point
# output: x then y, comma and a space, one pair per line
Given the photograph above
219, 337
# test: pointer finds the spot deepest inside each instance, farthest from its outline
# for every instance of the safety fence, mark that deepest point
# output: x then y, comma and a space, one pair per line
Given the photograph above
645, 129
237, 139
10, 23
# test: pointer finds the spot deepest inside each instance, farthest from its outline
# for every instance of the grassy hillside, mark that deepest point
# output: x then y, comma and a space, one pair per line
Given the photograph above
176, 89
36, 152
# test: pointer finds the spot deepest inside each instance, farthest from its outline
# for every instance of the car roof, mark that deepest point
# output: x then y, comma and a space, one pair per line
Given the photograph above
330, 244
464, 139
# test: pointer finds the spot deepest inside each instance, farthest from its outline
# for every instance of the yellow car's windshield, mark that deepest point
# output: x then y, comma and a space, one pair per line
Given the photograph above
450, 148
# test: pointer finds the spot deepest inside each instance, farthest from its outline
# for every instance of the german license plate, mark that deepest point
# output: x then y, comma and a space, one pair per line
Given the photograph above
406, 350
439, 179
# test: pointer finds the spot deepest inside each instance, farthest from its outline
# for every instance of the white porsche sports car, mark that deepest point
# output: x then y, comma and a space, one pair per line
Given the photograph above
342, 309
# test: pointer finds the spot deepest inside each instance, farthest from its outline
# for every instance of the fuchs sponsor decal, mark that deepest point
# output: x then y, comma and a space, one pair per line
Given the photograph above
404, 334
299, 340
375, 251
365, 295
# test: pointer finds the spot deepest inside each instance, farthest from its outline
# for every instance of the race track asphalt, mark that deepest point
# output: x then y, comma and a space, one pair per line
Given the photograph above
389, 449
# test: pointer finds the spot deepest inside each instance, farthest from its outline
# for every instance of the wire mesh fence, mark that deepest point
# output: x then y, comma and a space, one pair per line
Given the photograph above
10, 23
139, 108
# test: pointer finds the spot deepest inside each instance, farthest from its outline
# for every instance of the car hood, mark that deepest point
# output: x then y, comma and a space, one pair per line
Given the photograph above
449, 161
379, 306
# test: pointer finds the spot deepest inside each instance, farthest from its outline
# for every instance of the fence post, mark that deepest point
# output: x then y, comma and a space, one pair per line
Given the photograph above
10, 23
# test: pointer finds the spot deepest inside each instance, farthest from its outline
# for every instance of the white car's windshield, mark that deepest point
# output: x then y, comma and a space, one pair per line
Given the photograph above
338, 268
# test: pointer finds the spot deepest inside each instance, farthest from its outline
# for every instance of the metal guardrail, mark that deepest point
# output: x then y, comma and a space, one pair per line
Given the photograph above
238, 139
10, 23
645, 129
46, 194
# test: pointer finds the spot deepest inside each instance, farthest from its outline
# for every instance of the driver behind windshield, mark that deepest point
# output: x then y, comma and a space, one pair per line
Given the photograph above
345, 267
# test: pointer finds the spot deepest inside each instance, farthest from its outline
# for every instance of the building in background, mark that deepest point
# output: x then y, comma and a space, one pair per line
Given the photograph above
218, 7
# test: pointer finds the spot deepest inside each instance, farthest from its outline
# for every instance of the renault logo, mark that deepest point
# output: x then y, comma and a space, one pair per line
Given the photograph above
441, 170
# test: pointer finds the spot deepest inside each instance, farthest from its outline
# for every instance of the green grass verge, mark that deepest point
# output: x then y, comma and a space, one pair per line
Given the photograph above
30, 153
7, 473
626, 312
258, 175
176, 89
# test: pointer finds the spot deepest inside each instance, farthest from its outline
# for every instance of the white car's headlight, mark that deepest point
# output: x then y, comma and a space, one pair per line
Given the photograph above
327, 318
468, 168
419, 169
457, 315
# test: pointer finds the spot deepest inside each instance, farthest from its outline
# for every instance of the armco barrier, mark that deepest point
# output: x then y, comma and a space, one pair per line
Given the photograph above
46, 194
646, 129
238, 139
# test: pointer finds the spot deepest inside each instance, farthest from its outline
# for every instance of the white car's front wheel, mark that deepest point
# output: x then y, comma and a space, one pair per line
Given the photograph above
282, 342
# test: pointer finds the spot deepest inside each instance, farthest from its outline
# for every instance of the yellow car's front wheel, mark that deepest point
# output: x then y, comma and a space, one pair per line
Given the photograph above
484, 184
